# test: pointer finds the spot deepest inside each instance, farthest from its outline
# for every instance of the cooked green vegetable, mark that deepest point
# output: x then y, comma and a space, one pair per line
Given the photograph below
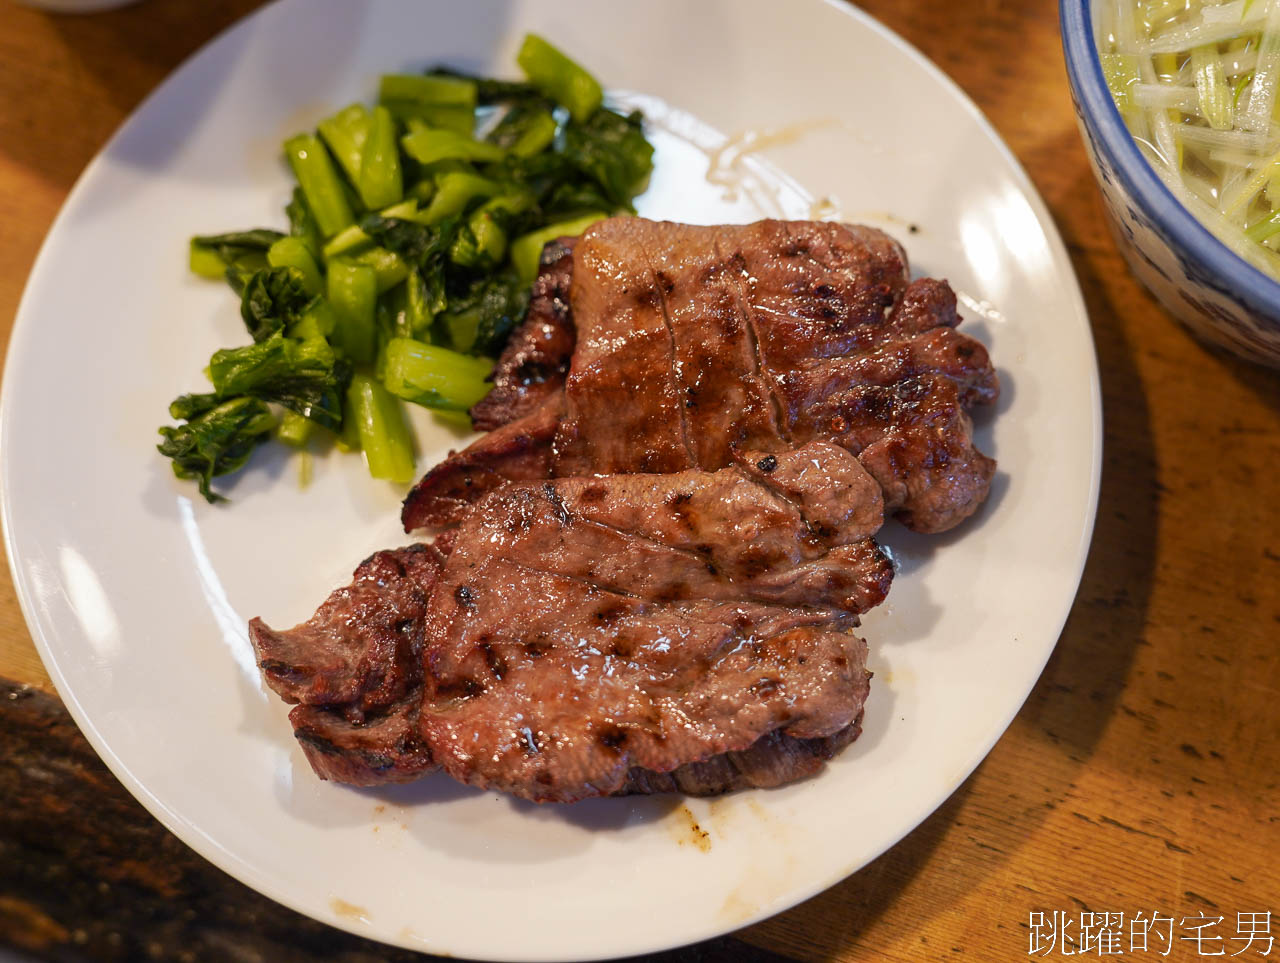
216, 440
294, 429
433, 376
559, 77
273, 298
307, 377
302, 223
611, 149
319, 182
481, 318
380, 180
490, 90
389, 269
435, 90
422, 245
353, 292
345, 134
212, 255
429, 145
525, 130
526, 250
292, 252
454, 191
384, 436
414, 232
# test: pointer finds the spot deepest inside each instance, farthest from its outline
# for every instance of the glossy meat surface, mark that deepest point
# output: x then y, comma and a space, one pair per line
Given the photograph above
363, 647
692, 341
615, 634
517, 451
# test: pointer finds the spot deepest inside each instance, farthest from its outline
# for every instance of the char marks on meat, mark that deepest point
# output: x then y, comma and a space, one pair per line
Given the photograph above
517, 451
603, 635
645, 575
355, 670
692, 341
535, 361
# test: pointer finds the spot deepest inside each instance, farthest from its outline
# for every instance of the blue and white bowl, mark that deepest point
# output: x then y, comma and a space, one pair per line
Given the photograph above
1199, 280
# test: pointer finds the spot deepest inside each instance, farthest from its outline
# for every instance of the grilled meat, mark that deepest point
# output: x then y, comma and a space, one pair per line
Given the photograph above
691, 341
601, 635
646, 573
535, 361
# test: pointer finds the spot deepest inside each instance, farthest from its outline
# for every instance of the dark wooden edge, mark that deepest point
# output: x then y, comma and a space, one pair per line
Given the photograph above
86, 874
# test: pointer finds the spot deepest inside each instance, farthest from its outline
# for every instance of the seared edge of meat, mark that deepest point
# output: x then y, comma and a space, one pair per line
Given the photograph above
773, 760
362, 649
381, 749
518, 451
533, 365
355, 667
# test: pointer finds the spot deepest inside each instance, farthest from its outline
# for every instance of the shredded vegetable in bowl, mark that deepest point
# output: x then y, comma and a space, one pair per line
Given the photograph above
1197, 83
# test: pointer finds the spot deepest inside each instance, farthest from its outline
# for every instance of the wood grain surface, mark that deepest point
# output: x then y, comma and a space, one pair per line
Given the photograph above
1143, 774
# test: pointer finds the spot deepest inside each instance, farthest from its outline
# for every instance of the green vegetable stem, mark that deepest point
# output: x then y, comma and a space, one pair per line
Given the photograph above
319, 183
384, 436
414, 232
559, 77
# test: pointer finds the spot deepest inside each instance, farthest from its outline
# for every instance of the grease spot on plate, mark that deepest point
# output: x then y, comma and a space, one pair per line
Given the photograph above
349, 910
686, 831
736, 909
899, 677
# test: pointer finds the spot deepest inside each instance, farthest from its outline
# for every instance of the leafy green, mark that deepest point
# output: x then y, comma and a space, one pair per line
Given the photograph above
422, 245
271, 299
293, 252
481, 317
235, 244
612, 150
412, 242
570, 198
216, 440
213, 255
308, 377
525, 130
302, 223
425, 247
491, 91
559, 77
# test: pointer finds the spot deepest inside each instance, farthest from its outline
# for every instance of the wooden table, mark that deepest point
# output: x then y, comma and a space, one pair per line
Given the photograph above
1143, 774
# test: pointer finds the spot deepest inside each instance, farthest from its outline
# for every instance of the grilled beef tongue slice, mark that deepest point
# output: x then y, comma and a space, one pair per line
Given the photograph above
517, 451
383, 748
691, 342
616, 634
363, 648
533, 365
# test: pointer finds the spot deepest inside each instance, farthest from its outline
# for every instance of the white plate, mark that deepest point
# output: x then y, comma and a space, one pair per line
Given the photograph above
137, 592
